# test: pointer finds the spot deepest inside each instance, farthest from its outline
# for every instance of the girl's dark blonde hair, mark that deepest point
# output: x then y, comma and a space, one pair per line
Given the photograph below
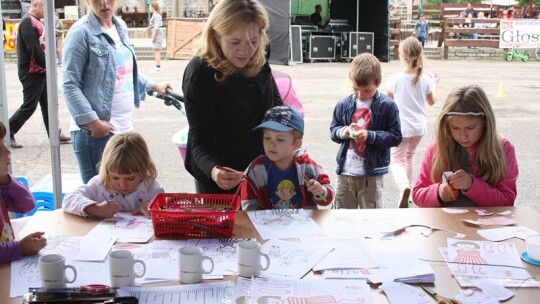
126, 153
155, 6
3, 131
225, 17
490, 157
365, 68
411, 53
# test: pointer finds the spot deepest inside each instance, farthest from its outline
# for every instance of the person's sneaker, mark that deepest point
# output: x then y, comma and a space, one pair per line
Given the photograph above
155, 70
64, 139
404, 198
14, 143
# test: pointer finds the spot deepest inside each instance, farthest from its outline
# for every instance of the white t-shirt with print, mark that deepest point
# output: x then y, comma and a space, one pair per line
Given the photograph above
356, 154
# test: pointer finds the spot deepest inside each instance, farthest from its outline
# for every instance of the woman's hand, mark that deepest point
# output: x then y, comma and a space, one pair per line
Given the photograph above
226, 178
99, 128
162, 87
32, 243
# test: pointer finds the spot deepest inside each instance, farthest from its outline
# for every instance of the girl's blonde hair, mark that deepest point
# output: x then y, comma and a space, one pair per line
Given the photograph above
126, 153
411, 53
469, 101
155, 6
225, 17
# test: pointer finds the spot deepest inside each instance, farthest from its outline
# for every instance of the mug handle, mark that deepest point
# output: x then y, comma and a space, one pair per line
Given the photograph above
144, 268
74, 273
204, 271
267, 258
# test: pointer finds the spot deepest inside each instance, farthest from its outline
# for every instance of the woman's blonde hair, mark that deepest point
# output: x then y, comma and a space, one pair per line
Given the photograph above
411, 53
155, 6
225, 17
126, 153
469, 101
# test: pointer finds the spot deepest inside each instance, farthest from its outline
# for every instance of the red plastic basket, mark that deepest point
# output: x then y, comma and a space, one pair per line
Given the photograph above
199, 216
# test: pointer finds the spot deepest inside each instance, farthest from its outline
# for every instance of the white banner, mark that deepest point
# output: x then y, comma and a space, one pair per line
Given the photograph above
520, 33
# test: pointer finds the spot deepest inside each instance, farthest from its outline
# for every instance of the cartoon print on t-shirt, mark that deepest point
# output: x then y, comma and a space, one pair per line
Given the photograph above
285, 191
363, 120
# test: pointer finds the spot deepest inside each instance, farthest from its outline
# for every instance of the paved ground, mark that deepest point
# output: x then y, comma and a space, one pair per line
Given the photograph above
319, 85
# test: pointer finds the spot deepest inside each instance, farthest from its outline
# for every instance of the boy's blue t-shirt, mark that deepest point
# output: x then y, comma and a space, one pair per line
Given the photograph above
283, 188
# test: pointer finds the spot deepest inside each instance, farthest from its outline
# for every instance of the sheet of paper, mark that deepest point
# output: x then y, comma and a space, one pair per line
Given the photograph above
221, 251
89, 248
455, 210
476, 297
402, 293
494, 290
293, 259
194, 294
126, 228
262, 290
482, 253
347, 253
504, 233
352, 225
280, 224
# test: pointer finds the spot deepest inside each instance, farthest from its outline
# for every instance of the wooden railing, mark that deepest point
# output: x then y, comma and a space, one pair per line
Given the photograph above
455, 34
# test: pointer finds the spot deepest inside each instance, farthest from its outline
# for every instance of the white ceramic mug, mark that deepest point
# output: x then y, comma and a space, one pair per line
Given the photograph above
532, 246
190, 264
122, 267
248, 257
52, 269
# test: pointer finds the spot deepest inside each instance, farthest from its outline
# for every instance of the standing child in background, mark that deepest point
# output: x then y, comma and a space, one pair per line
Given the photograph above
59, 30
156, 22
366, 125
479, 166
14, 197
421, 29
126, 181
284, 177
411, 89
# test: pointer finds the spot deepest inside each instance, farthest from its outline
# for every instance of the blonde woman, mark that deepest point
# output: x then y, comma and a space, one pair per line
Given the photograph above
228, 87
479, 166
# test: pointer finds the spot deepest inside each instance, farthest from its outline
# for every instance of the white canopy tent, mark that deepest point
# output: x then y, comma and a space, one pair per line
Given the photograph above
52, 95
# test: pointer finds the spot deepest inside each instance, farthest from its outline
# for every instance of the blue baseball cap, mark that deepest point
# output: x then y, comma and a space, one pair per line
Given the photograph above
282, 119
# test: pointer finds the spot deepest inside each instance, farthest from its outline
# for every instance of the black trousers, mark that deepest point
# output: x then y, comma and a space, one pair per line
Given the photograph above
34, 91
213, 188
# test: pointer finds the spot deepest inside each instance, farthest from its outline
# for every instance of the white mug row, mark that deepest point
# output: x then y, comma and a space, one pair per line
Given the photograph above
123, 266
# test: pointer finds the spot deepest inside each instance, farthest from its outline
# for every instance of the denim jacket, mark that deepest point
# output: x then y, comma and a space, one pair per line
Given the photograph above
89, 70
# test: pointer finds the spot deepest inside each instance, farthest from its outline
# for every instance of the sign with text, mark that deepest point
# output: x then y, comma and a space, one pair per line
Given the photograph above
519, 33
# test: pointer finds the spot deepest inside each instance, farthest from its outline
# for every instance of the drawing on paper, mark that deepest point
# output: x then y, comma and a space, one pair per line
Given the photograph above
281, 219
468, 253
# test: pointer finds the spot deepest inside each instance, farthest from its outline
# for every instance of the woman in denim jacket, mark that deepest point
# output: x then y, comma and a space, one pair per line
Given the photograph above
101, 83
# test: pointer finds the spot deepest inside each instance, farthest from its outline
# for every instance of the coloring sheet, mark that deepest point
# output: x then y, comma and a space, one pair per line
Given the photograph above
202, 293
504, 233
263, 290
482, 253
484, 271
126, 228
221, 251
293, 259
286, 223
493, 221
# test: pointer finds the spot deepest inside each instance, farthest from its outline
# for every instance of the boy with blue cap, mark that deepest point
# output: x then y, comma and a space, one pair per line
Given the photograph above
284, 177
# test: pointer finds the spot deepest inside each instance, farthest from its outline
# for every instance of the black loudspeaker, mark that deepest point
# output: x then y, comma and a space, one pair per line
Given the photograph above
354, 43
322, 47
295, 42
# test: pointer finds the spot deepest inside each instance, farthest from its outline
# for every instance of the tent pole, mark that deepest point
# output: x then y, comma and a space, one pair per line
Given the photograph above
357, 14
52, 97
4, 117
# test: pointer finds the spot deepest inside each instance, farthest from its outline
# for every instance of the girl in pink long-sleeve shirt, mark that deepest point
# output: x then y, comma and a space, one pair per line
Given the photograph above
479, 166
15, 197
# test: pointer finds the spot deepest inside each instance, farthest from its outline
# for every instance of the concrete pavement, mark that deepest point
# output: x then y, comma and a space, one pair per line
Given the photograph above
319, 85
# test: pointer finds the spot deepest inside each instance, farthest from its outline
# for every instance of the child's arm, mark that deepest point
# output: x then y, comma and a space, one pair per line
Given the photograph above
29, 245
86, 201
390, 135
338, 123
426, 192
502, 194
321, 189
17, 197
154, 190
